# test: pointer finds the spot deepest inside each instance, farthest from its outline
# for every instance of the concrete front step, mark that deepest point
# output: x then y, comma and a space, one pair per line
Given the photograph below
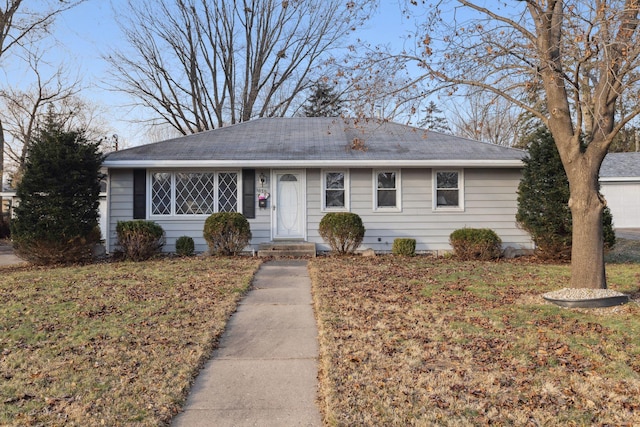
287, 249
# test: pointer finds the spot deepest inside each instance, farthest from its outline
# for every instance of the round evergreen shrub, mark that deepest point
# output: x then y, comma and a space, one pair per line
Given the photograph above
227, 233
406, 247
56, 220
185, 246
139, 239
342, 231
543, 200
475, 244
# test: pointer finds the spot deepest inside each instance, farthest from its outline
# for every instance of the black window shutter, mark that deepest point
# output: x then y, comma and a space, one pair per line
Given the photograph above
249, 193
139, 193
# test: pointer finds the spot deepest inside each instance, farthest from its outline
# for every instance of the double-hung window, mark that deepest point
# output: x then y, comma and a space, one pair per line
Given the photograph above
448, 190
193, 193
335, 194
387, 190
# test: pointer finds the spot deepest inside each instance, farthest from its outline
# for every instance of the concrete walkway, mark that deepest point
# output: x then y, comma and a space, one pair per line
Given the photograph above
6, 255
264, 372
628, 233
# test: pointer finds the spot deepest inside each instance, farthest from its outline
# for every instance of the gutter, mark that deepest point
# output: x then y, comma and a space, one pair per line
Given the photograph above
619, 179
131, 164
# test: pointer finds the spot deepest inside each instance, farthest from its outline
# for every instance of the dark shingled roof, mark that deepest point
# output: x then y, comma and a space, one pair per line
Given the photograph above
620, 165
317, 139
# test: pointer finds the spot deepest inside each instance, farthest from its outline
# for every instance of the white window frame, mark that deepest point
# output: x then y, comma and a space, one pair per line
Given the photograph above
374, 179
434, 192
216, 186
347, 186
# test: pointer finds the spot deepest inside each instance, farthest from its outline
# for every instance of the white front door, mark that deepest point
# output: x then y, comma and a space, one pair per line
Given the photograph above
289, 207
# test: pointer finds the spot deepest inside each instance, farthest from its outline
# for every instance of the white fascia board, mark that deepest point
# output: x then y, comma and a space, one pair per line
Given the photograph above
128, 164
619, 179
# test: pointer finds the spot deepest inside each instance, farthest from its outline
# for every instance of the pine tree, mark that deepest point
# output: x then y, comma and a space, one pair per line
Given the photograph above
56, 220
543, 199
434, 120
323, 102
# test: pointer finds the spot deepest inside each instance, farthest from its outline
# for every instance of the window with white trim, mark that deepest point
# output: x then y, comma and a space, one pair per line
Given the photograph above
387, 190
448, 190
335, 190
193, 193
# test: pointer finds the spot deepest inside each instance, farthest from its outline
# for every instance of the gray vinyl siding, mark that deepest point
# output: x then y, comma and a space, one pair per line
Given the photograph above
121, 209
314, 207
119, 202
490, 202
261, 224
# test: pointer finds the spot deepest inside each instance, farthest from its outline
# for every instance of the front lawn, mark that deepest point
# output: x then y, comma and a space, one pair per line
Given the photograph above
425, 341
111, 344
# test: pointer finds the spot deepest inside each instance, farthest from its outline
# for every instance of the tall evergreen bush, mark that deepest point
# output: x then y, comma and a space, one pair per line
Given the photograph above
543, 200
56, 220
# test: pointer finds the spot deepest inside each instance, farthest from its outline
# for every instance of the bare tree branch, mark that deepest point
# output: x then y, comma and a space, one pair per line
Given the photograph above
17, 21
24, 110
579, 57
199, 64
20, 26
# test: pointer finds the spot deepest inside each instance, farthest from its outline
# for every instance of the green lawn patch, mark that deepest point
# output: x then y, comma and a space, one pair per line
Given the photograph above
111, 344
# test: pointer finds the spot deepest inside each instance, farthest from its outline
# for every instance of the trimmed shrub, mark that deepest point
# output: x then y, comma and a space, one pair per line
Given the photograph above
185, 246
139, 239
227, 233
406, 247
343, 231
56, 220
475, 243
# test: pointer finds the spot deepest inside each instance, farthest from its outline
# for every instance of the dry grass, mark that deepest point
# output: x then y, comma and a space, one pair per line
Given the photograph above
423, 341
110, 344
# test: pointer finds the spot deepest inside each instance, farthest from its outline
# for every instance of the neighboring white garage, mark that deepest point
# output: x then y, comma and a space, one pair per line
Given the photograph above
620, 185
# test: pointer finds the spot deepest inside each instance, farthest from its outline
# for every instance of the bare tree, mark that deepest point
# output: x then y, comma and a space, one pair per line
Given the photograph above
18, 22
582, 56
24, 109
201, 64
377, 84
485, 117
20, 27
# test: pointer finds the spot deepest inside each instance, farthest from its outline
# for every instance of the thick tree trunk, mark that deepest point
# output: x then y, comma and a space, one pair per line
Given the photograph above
587, 249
